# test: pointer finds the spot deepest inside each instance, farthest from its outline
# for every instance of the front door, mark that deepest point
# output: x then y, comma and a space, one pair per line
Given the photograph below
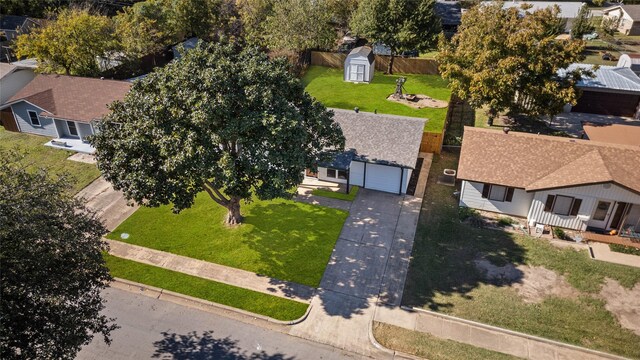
600, 216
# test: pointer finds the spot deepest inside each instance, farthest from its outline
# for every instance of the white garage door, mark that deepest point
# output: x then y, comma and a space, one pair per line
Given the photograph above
383, 178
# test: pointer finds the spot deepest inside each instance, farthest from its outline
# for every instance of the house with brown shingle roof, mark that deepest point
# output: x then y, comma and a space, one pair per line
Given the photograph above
564, 182
65, 108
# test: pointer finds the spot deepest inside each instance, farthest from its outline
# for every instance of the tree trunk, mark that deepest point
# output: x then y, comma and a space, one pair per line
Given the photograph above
390, 66
491, 114
233, 216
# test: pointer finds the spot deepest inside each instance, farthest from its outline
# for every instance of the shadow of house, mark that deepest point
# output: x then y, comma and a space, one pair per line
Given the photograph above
192, 346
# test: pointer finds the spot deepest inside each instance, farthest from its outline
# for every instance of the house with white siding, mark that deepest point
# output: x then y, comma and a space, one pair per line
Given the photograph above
381, 151
63, 108
564, 182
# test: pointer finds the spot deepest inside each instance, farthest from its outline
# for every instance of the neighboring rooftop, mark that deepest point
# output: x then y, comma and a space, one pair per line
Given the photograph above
363, 51
537, 162
383, 139
12, 22
450, 12
72, 98
632, 10
608, 77
613, 133
568, 9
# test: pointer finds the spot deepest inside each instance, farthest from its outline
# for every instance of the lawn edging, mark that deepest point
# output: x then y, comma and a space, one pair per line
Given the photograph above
193, 302
516, 343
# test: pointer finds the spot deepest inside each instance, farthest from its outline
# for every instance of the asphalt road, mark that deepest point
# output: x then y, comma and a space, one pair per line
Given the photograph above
152, 328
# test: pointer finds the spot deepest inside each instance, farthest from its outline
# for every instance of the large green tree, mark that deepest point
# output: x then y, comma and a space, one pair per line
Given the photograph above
144, 28
400, 24
299, 25
69, 44
51, 267
503, 61
582, 24
227, 121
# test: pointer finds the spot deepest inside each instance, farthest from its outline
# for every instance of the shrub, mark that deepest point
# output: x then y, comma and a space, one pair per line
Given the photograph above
466, 212
560, 234
505, 221
624, 249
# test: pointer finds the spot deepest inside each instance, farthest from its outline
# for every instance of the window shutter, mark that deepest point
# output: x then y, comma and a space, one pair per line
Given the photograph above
548, 206
575, 207
485, 190
509, 195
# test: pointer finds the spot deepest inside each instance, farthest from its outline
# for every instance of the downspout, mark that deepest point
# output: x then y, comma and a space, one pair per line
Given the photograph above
364, 176
401, 178
348, 178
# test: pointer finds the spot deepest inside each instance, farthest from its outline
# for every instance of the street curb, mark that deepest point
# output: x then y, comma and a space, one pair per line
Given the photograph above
193, 302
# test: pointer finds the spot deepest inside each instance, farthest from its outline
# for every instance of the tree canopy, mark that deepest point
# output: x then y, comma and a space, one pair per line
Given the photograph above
508, 62
582, 24
52, 267
225, 120
399, 24
69, 44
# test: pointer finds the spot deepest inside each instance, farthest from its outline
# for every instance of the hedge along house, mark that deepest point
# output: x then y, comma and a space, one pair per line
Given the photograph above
359, 66
65, 108
380, 151
564, 182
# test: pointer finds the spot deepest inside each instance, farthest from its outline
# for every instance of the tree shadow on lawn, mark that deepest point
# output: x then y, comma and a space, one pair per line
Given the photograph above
192, 346
445, 263
293, 241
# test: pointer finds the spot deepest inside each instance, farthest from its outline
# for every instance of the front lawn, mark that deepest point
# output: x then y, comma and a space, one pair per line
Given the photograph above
36, 156
282, 239
444, 276
337, 194
327, 86
249, 300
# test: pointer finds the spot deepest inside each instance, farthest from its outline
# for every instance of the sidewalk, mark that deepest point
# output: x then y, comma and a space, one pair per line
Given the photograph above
603, 253
220, 273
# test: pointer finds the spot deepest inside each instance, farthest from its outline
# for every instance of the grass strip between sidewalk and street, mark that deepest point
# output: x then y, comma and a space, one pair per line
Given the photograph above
337, 195
431, 347
249, 300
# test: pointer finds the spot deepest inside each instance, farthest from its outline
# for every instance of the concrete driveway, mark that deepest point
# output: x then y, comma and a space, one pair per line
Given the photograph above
368, 266
109, 204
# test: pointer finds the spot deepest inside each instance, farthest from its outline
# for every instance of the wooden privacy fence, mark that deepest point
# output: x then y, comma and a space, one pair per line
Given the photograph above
431, 142
400, 65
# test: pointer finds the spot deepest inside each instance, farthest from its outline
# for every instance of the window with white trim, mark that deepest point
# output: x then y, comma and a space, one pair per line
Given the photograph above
497, 192
33, 116
562, 205
337, 174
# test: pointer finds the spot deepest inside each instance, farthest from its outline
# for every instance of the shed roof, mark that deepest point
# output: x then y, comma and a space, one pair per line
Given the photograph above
364, 51
12, 22
613, 133
608, 77
568, 9
382, 139
538, 162
72, 98
6, 69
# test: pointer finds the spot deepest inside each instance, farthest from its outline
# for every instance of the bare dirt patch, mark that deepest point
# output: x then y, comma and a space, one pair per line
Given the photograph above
623, 303
419, 101
532, 283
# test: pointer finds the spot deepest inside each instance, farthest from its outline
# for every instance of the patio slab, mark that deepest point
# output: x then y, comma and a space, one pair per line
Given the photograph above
571, 122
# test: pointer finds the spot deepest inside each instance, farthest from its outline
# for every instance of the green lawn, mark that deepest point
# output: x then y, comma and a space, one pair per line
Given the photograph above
283, 239
36, 155
443, 277
430, 347
253, 301
326, 85
337, 195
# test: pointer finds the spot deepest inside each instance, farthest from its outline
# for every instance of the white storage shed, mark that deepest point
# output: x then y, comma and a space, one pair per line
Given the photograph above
359, 65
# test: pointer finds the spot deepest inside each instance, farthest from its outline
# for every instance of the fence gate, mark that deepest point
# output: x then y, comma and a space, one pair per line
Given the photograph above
7, 120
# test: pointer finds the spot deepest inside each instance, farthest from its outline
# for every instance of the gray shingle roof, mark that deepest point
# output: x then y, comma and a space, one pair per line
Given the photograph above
568, 9
608, 77
363, 51
383, 139
450, 12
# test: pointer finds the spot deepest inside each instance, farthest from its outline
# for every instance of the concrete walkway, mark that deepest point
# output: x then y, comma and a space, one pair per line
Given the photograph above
602, 252
220, 273
110, 205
